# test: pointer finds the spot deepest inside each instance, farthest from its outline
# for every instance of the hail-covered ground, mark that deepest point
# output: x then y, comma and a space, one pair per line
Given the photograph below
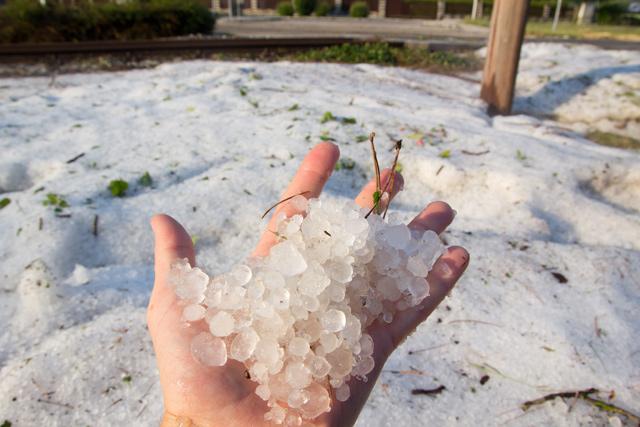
552, 221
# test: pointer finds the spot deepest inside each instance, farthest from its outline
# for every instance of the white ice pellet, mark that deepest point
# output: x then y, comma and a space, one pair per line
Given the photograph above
209, 350
298, 317
343, 392
298, 346
333, 320
193, 312
221, 324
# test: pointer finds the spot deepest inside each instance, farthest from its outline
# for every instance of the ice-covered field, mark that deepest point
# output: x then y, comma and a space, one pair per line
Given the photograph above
549, 302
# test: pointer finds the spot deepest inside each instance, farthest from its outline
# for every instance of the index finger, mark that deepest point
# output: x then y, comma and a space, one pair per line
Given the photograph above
310, 178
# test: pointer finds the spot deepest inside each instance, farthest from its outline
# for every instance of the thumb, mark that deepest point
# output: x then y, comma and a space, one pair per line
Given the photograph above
171, 242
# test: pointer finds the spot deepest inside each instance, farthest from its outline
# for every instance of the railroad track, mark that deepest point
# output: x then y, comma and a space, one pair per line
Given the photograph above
30, 50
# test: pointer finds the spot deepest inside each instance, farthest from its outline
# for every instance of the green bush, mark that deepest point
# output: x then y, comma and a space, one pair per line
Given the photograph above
323, 9
384, 54
304, 7
373, 53
29, 21
359, 9
611, 13
285, 9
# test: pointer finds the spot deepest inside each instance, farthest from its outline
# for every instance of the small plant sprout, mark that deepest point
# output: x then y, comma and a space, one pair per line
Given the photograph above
445, 154
520, 156
381, 195
243, 91
145, 180
294, 107
118, 187
327, 117
4, 202
345, 163
56, 201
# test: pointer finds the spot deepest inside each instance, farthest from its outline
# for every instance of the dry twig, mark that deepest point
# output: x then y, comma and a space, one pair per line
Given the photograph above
286, 199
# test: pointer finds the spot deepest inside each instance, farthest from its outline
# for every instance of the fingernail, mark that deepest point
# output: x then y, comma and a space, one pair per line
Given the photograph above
455, 212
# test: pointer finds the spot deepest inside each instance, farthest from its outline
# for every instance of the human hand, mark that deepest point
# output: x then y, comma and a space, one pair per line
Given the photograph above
197, 395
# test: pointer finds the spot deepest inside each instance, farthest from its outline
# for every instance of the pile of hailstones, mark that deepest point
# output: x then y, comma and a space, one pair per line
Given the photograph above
297, 317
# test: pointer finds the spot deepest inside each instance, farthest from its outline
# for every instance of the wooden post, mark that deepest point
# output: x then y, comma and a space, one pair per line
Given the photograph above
508, 20
440, 9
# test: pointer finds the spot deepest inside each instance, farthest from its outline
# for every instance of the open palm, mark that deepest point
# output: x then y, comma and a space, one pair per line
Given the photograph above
198, 395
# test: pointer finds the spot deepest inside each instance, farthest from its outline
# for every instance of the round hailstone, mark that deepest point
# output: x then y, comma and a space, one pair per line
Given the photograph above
417, 267
273, 280
293, 420
398, 236
267, 352
255, 290
366, 345
319, 402
263, 392
329, 342
333, 320
279, 298
222, 324
299, 203
298, 346
343, 392
192, 285
209, 350
319, 366
277, 414
364, 366
297, 398
340, 271
244, 344
193, 312
297, 375
241, 275
419, 289
341, 362
259, 372
285, 258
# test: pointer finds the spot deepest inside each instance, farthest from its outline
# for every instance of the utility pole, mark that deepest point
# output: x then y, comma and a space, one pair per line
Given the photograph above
556, 16
476, 11
441, 7
508, 21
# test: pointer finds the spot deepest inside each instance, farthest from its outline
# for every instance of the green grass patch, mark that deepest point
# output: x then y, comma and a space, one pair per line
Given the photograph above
118, 187
574, 31
613, 140
384, 54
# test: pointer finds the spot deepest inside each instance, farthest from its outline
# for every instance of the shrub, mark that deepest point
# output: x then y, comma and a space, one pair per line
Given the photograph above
304, 7
285, 9
30, 21
384, 54
359, 9
610, 13
323, 9
373, 53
